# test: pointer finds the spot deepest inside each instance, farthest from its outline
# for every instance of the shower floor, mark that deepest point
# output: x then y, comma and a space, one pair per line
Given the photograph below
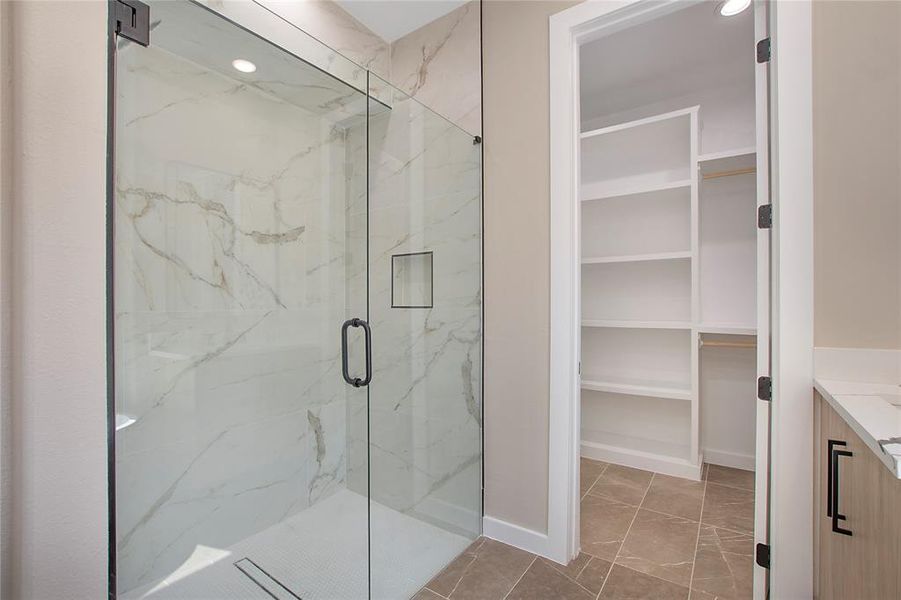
319, 553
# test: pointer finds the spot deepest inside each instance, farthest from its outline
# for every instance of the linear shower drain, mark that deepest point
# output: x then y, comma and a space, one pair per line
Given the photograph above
267, 582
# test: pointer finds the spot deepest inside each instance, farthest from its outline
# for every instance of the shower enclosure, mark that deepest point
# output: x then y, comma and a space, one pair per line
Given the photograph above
295, 320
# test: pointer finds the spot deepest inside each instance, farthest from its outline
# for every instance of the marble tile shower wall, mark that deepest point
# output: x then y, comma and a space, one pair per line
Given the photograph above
425, 397
230, 289
439, 64
337, 29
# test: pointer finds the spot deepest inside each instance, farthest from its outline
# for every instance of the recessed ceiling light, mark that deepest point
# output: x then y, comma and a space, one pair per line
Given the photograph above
731, 8
245, 66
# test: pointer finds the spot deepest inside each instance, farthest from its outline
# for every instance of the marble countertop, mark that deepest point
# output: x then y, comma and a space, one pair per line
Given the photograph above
873, 411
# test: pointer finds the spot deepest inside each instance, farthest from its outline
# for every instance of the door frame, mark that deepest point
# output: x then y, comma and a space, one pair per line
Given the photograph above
791, 291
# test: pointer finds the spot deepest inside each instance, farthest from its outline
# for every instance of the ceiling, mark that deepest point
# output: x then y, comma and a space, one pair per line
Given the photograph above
666, 57
393, 19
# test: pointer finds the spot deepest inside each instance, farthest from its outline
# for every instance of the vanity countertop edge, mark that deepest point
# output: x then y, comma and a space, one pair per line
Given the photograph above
868, 414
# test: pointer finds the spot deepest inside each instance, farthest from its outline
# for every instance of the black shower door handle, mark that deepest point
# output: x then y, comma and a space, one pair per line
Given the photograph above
356, 381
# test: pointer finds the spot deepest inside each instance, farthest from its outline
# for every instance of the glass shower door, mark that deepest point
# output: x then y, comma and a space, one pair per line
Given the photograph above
265, 216
239, 249
425, 312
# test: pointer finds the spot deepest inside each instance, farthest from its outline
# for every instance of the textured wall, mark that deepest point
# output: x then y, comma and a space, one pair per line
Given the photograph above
5, 293
59, 523
517, 254
857, 174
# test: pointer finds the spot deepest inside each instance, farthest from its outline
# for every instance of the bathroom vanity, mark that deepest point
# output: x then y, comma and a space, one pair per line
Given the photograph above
857, 490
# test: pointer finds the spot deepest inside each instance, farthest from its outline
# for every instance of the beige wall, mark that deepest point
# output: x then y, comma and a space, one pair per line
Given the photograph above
58, 385
857, 221
517, 254
5, 290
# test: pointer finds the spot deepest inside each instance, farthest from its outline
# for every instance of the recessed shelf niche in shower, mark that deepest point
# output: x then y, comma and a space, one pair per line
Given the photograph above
412, 280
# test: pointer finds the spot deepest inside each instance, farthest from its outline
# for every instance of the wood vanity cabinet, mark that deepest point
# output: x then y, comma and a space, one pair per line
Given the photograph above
865, 565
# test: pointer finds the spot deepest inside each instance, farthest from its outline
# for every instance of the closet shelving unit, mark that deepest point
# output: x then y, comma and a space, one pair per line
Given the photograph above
727, 204
667, 260
640, 294
728, 311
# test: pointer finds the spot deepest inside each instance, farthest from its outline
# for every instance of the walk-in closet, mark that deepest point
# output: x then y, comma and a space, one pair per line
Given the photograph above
669, 182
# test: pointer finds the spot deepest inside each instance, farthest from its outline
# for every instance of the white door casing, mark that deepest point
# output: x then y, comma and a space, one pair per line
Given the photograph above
788, 156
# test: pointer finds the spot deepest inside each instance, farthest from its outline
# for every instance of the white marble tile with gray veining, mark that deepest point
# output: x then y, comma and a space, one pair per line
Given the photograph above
439, 64
424, 422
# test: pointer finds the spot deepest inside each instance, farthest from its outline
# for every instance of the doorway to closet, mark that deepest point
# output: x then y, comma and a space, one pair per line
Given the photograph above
673, 284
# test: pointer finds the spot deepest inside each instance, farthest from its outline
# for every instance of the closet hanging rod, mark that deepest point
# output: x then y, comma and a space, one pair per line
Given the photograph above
717, 174
715, 344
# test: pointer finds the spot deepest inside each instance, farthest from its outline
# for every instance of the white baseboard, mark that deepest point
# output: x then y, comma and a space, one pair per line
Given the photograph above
642, 460
516, 536
729, 459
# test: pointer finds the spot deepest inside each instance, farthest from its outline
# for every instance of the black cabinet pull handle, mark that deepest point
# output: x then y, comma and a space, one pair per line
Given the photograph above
830, 444
356, 381
836, 516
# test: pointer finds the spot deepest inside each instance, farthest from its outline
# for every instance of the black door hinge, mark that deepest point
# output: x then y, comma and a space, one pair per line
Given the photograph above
764, 216
763, 50
133, 21
762, 555
765, 388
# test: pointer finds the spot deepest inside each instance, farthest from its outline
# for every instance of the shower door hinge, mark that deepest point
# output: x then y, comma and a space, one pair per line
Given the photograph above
763, 50
762, 555
765, 388
765, 216
132, 20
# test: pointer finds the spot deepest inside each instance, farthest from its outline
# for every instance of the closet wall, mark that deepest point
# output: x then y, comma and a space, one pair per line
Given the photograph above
669, 243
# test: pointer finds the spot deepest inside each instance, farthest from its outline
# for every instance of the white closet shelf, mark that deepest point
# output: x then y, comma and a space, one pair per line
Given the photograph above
596, 191
728, 160
731, 153
626, 324
676, 114
727, 329
625, 258
652, 389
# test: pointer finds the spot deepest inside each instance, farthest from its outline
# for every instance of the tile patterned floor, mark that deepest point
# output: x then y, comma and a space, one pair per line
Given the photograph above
644, 536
